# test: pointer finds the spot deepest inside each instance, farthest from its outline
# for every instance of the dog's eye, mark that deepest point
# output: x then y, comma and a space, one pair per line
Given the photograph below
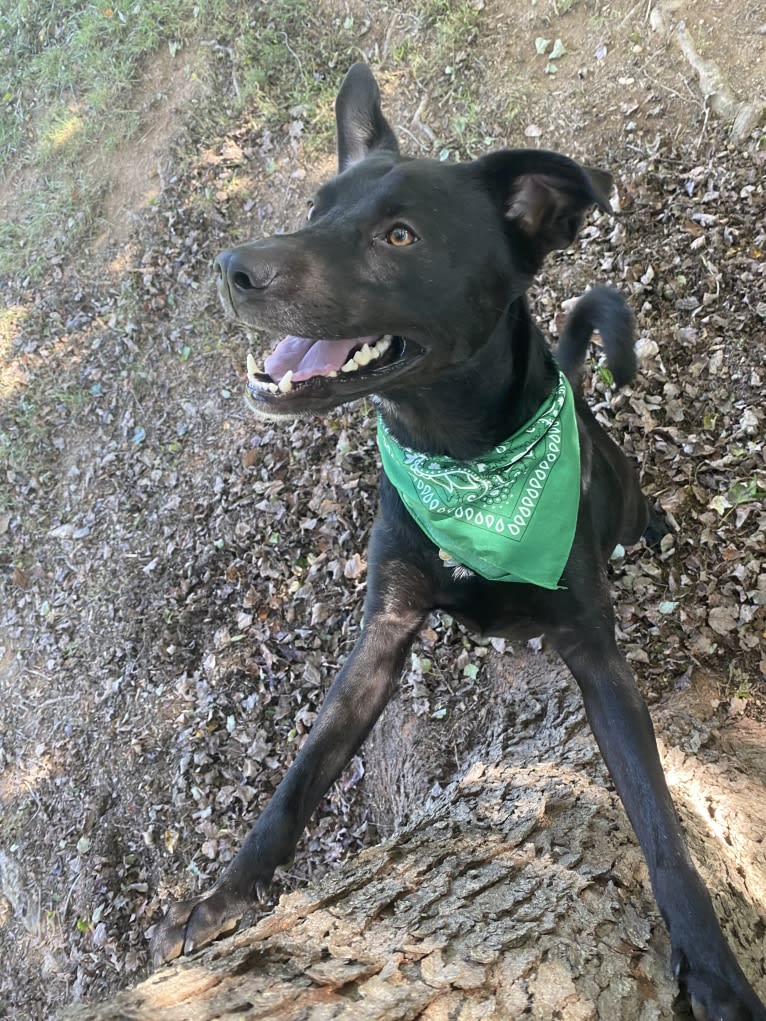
309, 209
400, 236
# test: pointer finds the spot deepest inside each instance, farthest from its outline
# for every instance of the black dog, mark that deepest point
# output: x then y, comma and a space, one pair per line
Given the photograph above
425, 265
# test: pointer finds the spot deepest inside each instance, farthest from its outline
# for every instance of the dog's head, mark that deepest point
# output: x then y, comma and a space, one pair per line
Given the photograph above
405, 266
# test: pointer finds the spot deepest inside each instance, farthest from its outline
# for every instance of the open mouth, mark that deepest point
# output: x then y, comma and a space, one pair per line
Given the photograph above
304, 373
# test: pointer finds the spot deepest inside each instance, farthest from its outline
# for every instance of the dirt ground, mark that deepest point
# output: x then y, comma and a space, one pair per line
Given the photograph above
180, 581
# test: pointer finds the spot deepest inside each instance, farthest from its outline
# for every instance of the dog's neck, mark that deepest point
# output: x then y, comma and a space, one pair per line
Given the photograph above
468, 412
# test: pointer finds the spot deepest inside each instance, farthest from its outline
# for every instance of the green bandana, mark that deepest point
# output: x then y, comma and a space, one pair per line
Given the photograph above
509, 515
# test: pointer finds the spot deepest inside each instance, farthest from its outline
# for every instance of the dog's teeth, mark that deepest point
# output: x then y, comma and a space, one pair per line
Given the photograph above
364, 355
286, 382
383, 345
350, 366
256, 383
332, 374
252, 367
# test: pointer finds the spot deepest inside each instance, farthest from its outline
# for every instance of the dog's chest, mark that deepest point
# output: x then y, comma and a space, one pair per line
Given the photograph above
514, 631
496, 609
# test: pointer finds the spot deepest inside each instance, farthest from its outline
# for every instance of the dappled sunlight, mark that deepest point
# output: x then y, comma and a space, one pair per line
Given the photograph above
60, 134
12, 371
723, 802
237, 186
730, 807
22, 779
123, 262
163, 989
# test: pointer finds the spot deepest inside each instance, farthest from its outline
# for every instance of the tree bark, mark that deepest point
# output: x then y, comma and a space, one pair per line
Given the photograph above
518, 891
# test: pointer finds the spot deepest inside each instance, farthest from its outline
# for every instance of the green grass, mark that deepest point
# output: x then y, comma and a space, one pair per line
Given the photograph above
451, 28
455, 21
66, 61
69, 69
562, 7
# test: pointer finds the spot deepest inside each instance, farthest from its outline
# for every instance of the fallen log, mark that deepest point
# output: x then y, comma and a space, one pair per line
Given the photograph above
519, 891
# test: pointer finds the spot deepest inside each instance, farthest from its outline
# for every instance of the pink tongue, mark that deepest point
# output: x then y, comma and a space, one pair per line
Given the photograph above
309, 358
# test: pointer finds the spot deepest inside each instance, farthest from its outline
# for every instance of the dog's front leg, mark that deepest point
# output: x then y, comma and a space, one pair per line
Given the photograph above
354, 702
702, 960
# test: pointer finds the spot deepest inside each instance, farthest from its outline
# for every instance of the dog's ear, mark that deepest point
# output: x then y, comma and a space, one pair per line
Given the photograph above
544, 196
362, 128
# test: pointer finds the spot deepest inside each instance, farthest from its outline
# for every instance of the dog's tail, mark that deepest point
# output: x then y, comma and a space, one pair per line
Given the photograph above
602, 309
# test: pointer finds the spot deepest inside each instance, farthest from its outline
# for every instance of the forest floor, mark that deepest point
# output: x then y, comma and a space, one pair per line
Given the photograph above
180, 581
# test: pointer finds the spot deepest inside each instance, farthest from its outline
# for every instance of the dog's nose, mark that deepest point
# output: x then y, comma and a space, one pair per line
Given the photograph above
243, 271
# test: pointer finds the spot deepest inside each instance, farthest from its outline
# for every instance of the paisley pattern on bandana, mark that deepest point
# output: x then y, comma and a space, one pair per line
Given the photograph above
509, 515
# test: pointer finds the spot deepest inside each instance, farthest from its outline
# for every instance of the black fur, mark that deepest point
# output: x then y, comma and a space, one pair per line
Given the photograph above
439, 256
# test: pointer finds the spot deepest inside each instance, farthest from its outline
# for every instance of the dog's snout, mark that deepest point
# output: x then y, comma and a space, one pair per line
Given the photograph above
243, 272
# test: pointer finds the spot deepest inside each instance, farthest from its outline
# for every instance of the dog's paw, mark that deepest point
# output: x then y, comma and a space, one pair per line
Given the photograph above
717, 994
190, 924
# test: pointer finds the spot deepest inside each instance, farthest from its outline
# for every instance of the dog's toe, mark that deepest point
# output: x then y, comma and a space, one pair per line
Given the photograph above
190, 924
714, 995
722, 1010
